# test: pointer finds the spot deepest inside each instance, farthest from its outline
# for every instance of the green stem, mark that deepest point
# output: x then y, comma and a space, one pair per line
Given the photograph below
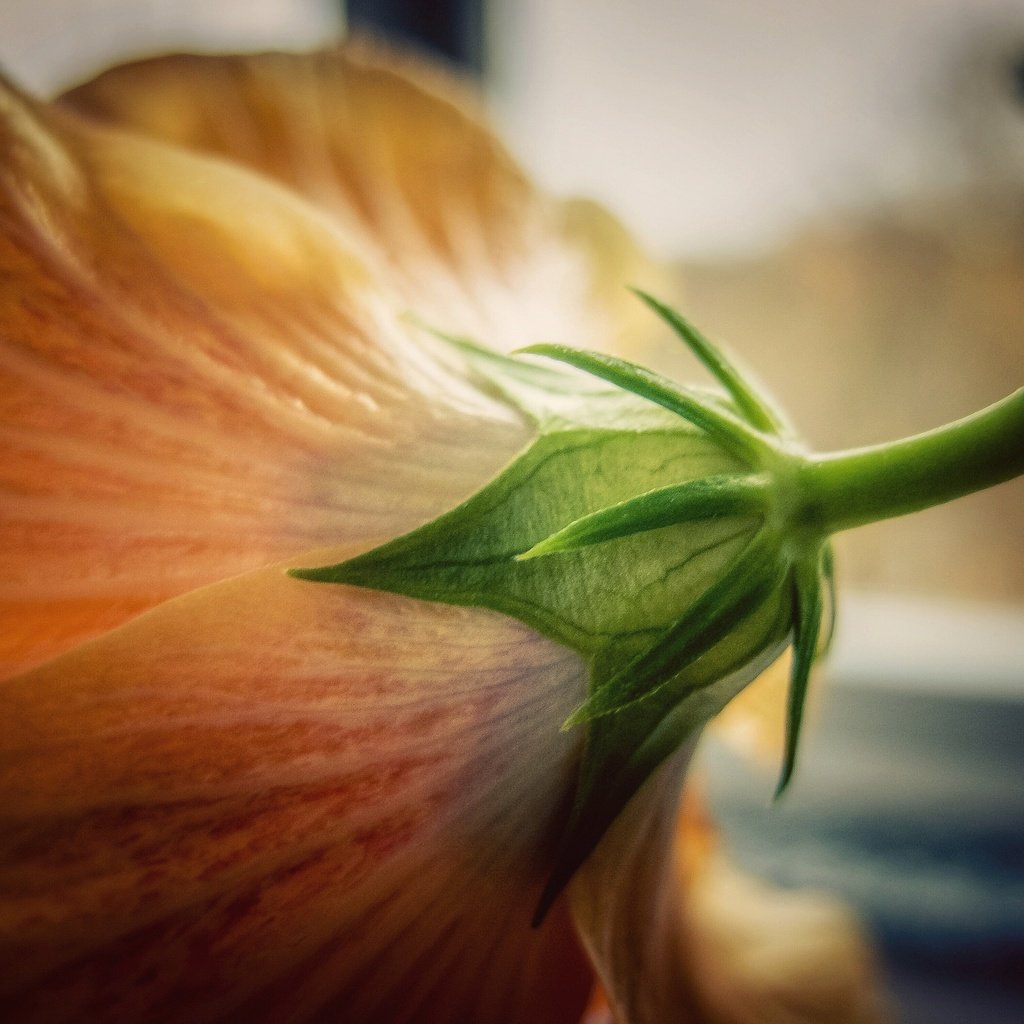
848, 489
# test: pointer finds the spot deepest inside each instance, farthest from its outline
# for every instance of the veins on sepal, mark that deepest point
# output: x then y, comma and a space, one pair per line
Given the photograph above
700, 584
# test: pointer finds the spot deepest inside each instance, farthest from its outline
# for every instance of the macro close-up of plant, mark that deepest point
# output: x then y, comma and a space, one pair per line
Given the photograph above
365, 595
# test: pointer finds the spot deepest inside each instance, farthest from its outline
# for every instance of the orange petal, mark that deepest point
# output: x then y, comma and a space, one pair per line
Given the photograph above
272, 800
677, 933
401, 157
760, 955
197, 377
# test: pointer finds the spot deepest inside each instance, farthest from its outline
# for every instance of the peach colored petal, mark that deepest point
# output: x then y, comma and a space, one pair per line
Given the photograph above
400, 155
197, 376
275, 801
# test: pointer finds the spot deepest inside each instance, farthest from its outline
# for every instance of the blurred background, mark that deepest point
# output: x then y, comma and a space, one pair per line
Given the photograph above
841, 187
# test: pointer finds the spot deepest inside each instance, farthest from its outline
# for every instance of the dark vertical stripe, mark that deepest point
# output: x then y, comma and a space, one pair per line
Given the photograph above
452, 29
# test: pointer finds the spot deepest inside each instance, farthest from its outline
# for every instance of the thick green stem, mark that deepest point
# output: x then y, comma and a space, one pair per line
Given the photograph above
848, 489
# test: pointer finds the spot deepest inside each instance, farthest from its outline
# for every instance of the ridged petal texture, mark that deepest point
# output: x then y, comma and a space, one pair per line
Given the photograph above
198, 376
231, 795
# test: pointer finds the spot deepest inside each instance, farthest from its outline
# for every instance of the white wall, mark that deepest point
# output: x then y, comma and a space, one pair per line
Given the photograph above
48, 44
715, 123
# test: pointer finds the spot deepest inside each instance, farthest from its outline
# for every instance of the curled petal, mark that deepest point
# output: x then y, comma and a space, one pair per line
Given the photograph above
677, 933
400, 156
272, 801
626, 902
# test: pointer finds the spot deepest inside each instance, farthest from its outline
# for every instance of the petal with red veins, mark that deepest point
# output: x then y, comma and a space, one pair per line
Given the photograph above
268, 800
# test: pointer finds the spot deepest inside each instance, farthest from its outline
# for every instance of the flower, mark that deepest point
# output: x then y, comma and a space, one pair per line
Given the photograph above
229, 794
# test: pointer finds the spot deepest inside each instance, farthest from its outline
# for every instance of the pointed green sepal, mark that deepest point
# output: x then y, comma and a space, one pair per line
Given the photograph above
752, 578
807, 600
731, 432
828, 577
708, 498
755, 406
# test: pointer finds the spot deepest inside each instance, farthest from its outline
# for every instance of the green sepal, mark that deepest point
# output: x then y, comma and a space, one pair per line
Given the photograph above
828, 577
664, 506
596, 447
756, 573
807, 617
549, 395
610, 602
732, 433
754, 405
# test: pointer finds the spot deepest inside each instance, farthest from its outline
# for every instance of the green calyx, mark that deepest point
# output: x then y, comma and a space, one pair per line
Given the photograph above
677, 539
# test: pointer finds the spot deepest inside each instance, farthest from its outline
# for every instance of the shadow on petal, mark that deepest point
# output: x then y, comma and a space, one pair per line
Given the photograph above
274, 800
